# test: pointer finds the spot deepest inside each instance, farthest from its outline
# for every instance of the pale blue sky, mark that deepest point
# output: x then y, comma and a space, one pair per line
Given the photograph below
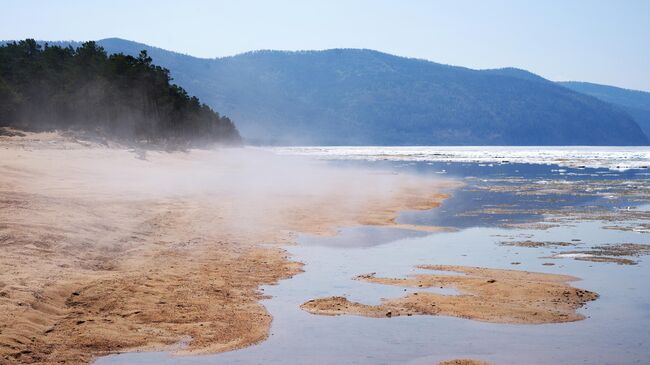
589, 40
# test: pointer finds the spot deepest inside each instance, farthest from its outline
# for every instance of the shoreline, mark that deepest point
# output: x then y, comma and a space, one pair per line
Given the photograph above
486, 295
108, 253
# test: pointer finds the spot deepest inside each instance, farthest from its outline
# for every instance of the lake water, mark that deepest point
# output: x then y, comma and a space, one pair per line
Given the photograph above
616, 330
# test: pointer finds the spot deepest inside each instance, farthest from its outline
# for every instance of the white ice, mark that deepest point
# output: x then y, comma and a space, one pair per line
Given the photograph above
613, 158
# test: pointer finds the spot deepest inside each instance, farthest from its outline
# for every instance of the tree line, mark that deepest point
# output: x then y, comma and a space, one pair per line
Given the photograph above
117, 96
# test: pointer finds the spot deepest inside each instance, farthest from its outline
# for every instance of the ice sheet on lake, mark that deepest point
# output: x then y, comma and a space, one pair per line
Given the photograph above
614, 158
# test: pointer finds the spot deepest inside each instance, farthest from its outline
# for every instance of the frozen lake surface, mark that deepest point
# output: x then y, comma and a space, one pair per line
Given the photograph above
615, 158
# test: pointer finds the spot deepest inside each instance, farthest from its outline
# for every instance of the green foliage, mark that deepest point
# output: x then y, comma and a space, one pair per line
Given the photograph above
54, 87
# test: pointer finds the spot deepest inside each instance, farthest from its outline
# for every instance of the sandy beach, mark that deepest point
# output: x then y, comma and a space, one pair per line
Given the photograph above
324, 183
488, 295
107, 249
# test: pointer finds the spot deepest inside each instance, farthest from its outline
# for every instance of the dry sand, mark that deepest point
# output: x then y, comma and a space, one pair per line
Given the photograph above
104, 251
489, 295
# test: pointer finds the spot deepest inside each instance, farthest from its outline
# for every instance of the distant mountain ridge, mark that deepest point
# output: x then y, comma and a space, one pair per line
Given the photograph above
365, 97
635, 103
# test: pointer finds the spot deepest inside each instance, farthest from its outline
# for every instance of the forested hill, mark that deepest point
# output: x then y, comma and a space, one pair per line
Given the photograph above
366, 97
116, 95
357, 97
360, 97
635, 103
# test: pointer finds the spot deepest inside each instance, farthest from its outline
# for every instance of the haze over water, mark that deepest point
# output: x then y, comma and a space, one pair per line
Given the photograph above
618, 320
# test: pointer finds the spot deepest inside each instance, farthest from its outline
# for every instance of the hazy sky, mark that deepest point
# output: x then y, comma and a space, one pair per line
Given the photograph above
589, 40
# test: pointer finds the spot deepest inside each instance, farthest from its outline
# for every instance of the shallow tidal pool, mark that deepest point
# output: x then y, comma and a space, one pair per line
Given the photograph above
616, 329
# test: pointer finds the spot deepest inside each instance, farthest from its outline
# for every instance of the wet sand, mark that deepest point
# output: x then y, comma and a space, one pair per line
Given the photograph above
107, 250
612, 253
464, 362
489, 295
537, 244
619, 253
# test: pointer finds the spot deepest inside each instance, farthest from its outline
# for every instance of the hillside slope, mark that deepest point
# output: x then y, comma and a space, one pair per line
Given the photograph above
635, 103
364, 97
115, 96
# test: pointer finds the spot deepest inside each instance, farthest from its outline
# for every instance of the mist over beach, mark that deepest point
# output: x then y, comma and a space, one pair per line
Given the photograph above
451, 183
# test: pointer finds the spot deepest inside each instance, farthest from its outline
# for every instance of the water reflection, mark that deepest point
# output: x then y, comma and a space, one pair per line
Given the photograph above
615, 331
